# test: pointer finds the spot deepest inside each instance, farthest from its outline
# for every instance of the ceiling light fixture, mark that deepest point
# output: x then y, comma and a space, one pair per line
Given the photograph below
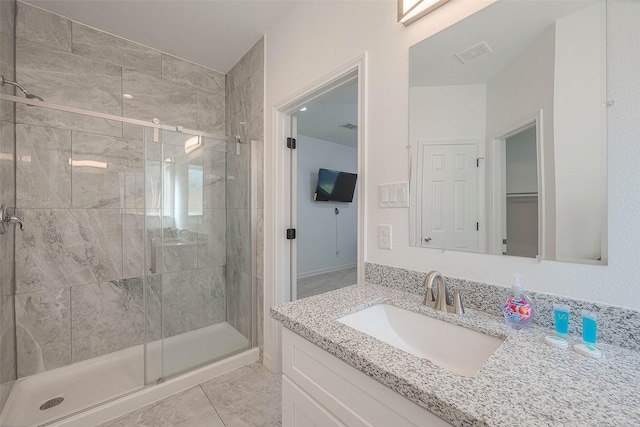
127, 96
303, 109
409, 11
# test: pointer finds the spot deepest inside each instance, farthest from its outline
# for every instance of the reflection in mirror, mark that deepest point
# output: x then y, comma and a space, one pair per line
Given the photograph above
508, 132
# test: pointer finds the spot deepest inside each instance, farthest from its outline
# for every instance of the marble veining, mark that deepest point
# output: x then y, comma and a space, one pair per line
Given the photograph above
212, 239
64, 247
193, 299
106, 317
238, 240
188, 408
236, 385
214, 179
7, 164
7, 339
150, 95
107, 172
211, 113
67, 79
7, 68
240, 101
43, 174
38, 25
7, 194
258, 155
239, 290
7, 16
63, 120
188, 73
616, 325
43, 328
153, 301
263, 408
256, 84
525, 382
238, 171
7, 250
178, 256
115, 50
133, 244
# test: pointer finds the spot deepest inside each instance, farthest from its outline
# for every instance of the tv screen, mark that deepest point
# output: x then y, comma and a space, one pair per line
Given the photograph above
335, 186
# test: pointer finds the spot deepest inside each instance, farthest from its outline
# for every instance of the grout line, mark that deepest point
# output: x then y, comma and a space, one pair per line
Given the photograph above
212, 405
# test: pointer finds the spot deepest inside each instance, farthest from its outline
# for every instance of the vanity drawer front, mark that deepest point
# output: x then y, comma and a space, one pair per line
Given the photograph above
350, 395
301, 410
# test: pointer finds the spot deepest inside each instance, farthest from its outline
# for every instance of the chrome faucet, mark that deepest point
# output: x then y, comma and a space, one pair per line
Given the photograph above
440, 303
7, 218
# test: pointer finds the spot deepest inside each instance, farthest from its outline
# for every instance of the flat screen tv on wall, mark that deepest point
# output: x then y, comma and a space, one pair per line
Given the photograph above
335, 186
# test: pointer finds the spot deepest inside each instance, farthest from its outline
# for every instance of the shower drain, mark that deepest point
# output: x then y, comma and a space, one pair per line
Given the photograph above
51, 403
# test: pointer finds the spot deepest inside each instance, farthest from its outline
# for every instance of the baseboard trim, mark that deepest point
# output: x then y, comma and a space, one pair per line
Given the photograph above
325, 270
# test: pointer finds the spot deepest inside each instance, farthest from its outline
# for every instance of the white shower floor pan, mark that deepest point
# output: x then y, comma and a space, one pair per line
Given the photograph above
90, 383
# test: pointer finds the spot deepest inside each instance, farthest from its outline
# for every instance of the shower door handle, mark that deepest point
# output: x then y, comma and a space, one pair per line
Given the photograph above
154, 256
5, 219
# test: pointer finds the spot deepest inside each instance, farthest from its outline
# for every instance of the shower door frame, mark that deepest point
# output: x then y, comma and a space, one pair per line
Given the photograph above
149, 391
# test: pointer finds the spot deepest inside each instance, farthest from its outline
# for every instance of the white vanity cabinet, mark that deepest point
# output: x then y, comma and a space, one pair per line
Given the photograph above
320, 390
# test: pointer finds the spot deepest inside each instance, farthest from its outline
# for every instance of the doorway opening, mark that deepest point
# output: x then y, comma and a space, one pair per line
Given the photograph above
518, 192
281, 259
324, 169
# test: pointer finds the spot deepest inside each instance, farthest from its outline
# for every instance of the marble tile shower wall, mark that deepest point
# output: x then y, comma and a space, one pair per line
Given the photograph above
7, 196
79, 262
245, 99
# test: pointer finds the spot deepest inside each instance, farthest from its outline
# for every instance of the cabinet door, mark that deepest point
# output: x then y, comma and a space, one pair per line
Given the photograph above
350, 395
300, 410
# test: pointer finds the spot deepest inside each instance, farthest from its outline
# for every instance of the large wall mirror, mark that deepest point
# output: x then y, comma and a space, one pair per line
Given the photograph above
508, 132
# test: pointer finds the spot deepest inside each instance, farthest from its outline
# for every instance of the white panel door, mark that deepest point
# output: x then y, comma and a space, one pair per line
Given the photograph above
450, 196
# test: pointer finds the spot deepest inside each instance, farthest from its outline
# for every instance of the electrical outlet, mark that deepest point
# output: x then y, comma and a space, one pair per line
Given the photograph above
384, 236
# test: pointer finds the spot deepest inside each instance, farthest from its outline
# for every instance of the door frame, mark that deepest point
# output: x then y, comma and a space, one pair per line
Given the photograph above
481, 200
279, 252
497, 205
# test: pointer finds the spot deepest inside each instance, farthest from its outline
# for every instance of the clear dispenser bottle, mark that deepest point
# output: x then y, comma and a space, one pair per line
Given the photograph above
518, 308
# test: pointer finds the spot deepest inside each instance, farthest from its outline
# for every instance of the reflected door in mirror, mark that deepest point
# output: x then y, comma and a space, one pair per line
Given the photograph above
450, 185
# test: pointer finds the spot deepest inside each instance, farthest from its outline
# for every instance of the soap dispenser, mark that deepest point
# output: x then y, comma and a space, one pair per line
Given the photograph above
518, 307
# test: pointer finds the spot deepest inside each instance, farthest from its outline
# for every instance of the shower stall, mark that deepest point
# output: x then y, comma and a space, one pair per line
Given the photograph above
136, 260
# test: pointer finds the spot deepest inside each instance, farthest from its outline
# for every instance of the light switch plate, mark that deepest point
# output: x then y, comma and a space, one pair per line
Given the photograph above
394, 195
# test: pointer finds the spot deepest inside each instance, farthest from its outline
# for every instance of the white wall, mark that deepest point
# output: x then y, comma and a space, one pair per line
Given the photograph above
431, 118
580, 133
320, 37
316, 235
515, 97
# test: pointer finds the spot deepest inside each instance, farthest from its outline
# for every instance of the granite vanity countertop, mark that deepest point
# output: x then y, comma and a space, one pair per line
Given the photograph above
524, 383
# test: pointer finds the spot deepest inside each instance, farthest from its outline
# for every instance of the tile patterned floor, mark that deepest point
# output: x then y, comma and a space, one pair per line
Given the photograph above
247, 397
322, 283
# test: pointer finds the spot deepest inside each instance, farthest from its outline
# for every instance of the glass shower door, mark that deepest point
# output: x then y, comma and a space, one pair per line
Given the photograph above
186, 229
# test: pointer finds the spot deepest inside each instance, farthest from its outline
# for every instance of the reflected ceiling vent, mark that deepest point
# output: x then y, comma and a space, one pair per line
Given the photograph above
350, 126
474, 52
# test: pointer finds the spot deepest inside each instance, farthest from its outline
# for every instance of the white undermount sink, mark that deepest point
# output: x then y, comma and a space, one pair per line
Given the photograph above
457, 349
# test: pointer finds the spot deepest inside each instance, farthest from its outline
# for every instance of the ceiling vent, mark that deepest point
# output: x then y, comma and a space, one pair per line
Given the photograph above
349, 126
474, 52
